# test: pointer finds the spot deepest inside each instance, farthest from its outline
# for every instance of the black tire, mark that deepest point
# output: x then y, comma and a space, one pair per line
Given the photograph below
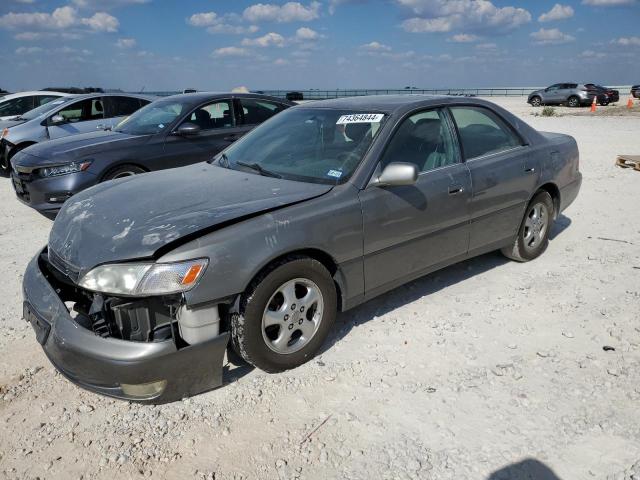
604, 104
536, 101
521, 250
247, 335
122, 171
5, 164
573, 102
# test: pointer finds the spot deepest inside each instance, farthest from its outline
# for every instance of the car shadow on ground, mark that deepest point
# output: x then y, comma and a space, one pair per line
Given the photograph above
422, 287
528, 469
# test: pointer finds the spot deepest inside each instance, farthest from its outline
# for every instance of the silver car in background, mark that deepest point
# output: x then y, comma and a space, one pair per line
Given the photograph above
63, 117
14, 104
570, 94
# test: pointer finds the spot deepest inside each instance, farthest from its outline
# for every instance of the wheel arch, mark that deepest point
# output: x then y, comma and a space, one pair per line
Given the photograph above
317, 254
119, 164
553, 190
20, 146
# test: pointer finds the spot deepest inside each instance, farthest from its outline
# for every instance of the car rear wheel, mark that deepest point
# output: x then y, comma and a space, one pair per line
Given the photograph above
533, 235
123, 171
604, 103
536, 101
573, 102
285, 315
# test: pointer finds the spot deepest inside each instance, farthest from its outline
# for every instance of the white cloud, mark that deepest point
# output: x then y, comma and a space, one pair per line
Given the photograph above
608, 3
558, 12
28, 50
232, 29
307, 34
102, 22
592, 54
271, 39
627, 41
230, 52
204, 19
126, 43
62, 17
448, 15
289, 12
216, 24
464, 38
375, 47
551, 36
107, 4
281, 62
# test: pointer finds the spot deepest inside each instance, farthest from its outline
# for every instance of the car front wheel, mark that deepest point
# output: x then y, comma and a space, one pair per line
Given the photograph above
285, 315
123, 171
536, 101
533, 235
573, 102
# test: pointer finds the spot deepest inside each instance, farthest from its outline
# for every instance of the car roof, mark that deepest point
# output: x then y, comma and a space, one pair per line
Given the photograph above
9, 96
385, 103
112, 94
204, 96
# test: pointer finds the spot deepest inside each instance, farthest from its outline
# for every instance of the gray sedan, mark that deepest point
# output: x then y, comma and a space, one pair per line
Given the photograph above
147, 279
63, 117
171, 132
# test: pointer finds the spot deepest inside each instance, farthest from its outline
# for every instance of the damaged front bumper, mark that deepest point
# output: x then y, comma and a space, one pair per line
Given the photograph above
149, 372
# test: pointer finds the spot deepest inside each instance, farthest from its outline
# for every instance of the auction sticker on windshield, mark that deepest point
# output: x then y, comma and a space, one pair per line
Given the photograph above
360, 118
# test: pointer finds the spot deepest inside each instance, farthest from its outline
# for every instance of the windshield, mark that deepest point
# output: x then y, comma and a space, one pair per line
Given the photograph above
46, 108
152, 118
316, 145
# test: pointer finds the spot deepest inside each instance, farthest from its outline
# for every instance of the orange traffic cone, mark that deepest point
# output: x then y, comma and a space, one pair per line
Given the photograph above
630, 102
593, 104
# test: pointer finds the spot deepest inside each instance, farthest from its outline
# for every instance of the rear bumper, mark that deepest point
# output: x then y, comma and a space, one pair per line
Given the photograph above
569, 192
103, 365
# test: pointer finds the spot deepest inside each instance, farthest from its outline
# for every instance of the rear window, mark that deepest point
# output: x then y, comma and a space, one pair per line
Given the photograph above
482, 132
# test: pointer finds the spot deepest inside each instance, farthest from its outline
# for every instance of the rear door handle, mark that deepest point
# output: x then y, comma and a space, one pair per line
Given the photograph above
455, 189
529, 170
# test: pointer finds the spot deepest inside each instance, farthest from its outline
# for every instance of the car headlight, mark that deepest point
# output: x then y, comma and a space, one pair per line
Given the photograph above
73, 167
144, 278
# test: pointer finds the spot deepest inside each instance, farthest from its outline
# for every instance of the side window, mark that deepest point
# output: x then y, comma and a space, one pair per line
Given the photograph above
553, 88
423, 139
121, 106
255, 110
42, 99
214, 115
482, 132
84, 110
16, 106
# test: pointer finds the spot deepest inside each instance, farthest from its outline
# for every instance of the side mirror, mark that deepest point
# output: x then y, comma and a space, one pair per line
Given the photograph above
57, 119
397, 174
188, 129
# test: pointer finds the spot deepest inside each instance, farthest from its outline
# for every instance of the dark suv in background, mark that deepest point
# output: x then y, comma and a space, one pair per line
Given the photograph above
635, 91
612, 96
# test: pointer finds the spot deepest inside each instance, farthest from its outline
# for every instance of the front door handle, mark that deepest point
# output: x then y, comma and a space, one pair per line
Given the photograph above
455, 189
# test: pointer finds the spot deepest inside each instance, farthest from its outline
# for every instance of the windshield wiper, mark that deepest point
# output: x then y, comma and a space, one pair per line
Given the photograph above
222, 159
258, 168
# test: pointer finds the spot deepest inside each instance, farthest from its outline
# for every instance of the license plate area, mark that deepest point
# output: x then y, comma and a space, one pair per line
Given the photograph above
40, 326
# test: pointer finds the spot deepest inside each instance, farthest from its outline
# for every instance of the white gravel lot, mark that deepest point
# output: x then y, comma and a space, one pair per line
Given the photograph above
486, 370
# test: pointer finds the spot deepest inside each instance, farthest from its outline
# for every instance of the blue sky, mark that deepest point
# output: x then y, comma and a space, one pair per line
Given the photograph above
221, 44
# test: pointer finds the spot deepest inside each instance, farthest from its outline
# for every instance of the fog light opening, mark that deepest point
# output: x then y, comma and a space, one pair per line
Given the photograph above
142, 391
59, 197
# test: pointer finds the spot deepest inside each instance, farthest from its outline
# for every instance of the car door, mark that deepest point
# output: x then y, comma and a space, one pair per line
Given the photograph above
410, 230
117, 108
218, 130
503, 173
553, 94
80, 117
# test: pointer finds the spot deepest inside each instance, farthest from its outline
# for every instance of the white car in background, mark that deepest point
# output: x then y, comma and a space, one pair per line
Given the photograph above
16, 104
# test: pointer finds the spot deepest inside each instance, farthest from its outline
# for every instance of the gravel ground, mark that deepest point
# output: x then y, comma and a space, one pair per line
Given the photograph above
486, 370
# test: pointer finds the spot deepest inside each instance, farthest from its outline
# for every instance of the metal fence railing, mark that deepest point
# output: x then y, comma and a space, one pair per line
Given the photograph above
315, 94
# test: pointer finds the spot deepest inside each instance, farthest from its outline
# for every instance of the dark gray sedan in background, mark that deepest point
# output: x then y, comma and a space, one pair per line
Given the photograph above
146, 279
171, 132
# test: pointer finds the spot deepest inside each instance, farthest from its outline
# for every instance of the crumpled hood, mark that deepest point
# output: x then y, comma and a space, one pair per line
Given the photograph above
79, 147
131, 218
